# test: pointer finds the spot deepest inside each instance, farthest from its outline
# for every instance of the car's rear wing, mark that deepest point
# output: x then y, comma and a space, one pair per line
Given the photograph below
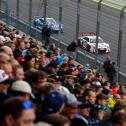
87, 33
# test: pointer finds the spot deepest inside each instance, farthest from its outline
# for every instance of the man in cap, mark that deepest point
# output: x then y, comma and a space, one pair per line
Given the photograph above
53, 103
81, 118
69, 82
22, 88
56, 83
71, 106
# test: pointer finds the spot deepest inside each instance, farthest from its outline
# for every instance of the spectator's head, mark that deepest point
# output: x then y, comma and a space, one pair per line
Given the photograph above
21, 45
21, 88
120, 106
30, 61
5, 56
18, 72
102, 99
85, 84
7, 50
71, 105
57, 120
85, 109
52, 68
45, 89
118, 119
36, 79
55, 79
69, 78
7, 67
98, 112
17, 112
27, 45
53, 103
117, 97
99, 89
107, 84
12, 46
89, 96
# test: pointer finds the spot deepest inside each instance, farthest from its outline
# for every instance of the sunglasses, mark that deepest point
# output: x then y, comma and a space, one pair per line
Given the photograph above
27, 105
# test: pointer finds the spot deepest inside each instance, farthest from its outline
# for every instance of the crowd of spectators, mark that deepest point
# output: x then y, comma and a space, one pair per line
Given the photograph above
46, 88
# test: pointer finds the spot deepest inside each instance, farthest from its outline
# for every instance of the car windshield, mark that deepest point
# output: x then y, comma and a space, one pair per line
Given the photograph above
51, 21
100, 40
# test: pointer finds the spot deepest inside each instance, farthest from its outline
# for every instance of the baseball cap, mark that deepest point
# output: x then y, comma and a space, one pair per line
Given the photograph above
71, 100
54, 77
22, 86
3, 76
85, 105
53, 101
2, 38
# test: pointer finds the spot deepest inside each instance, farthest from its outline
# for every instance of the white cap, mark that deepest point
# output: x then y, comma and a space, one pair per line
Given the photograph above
3, 76
2, 38
22, 86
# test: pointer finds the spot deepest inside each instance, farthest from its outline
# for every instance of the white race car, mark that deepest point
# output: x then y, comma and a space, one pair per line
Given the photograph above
88, 42
39, 23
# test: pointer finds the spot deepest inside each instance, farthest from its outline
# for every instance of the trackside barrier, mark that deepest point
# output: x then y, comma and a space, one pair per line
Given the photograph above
82, 58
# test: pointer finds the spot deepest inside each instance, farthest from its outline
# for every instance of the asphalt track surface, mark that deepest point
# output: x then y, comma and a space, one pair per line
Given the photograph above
109, 26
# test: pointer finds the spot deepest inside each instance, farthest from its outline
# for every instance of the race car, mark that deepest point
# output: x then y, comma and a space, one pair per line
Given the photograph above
87, 40
55, 26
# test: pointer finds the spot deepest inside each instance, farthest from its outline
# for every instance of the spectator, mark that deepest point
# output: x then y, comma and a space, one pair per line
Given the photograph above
71, 106
29, 63
7, 50
85, 84
71, 48
18, 51
53, 103
69, 82
18, 72
17, 112
36, 79
7, 67
112, 72
5, 56
43, 32
119, 119
46, 33
89, 96
57, 84
106, 64
57, 120
21, 88
81, 118
97, 116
